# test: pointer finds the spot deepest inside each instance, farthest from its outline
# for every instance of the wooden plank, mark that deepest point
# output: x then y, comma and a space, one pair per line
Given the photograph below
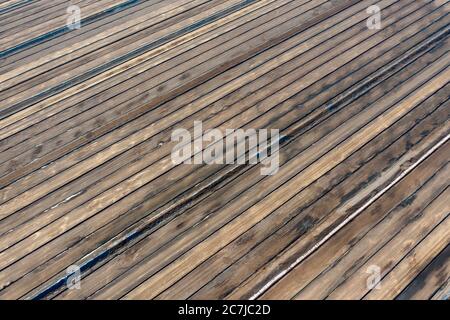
16, 188
141, 65
29, 12
219, 59
410, 266
443, 293
404, 242
156, 284
253, 284
28, 54
11, 5
10, 71
430, 280
353, 245
185, 221
87, 179
28, 33
276, 242
47, 89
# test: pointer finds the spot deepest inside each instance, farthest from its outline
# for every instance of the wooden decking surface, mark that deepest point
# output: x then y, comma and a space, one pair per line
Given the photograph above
86, 177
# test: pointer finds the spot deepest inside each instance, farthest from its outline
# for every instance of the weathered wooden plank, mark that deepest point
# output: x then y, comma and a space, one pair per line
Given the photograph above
293, 230
419, 257
85, 127
160, 281
188, 219
353, 245
403, 242
430, 280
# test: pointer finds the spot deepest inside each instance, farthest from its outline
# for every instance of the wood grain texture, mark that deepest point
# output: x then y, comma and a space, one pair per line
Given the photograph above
87, 179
